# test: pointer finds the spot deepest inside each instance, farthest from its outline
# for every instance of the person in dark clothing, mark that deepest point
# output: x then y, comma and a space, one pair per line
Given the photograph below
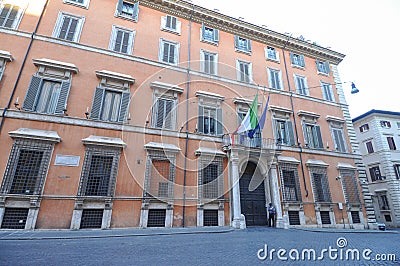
271, 215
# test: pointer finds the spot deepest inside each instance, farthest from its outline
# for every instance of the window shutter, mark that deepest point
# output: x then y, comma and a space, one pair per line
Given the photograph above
306, 141
270, 78
318, 136
135, 11
317, 64
165, 52
372, 174
291, 57
302, 62
11, 17
342, 141
171, 55
168, 114
277, 56
159, 113
289, 132
124, 107
248, 45
202, 31
62, 99
31, 94
163, 22
201, 119
396, 170
327, 68
178, 26
97, 103
216, 35
119, 7
236, 41
72, 29
173, 24
219, 122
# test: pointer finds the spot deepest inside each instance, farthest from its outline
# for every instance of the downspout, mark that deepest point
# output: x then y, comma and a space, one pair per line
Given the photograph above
3, 116
294, 118
188, 78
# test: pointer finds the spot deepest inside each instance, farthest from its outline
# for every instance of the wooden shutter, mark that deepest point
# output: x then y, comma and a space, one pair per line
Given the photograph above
135, 11
11, 18
318, 137
291, 57
97, 103
306, 141
169, 104
32, 93
216, 35
220, 125
62, 99
248, 45
124, 106
289, 133
72, 29
302, 62
201, 119
203, 29
236, 42
119, 6
327, 68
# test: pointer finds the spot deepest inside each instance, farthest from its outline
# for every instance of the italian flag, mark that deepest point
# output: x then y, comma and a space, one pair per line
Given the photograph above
250, 121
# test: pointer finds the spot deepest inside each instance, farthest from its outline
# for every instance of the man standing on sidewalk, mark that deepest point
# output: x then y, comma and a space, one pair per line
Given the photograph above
271, 215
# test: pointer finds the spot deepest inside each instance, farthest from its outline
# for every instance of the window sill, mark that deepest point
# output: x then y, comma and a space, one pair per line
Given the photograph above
126, 17
273, 60
210, 42
171, 31
170, 64
76, 4
242, 51
323, 74
299, 67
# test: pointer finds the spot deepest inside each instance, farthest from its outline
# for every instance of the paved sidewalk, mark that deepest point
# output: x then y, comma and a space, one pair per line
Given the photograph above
97, 233
346, 230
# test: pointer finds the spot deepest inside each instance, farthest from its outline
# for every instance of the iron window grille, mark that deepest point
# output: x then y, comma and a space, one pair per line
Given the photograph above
15, 218
210, 217
27, 167
355, 216
210, 183
160, 175
383, 202
320, 185
350, 187
91, 218
156, 218
325, 217
99, 172
294, 217
290, 183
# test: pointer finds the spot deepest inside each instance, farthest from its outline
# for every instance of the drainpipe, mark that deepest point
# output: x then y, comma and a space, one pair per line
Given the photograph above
3, 116
294, 118
188, 78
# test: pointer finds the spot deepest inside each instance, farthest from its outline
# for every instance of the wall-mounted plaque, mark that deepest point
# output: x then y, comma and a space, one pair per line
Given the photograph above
67, 160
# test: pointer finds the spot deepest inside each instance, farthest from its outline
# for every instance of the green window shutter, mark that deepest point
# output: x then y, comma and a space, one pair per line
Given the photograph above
62, 99
97, 103
248, 45
119, 7
306, 141
318, 136
327, 68
317, 64
169, 104
202, 31
124, 107
32, 93
302, 62
216, 35
289, 132
291, 57
236, 41
220, 128
159, 115
135, 14
201, 119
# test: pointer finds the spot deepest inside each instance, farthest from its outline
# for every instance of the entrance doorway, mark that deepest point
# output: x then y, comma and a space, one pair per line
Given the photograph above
252, 203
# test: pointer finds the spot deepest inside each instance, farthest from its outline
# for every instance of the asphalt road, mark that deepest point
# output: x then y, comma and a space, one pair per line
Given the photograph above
240, 247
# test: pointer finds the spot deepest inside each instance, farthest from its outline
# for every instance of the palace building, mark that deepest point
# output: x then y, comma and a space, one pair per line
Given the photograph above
120, 114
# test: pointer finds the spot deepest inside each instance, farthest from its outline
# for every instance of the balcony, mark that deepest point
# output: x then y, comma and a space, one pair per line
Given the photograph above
230, 141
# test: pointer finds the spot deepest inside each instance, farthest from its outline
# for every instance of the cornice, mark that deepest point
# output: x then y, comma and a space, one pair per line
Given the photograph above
235, 26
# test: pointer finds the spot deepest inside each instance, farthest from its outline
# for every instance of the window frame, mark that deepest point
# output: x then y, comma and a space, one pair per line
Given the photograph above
369, 147
277, 78
132, 17
297, 60
293, 185
113, 39
241, 76
203, 60
165, 27
364, 128
267, 53
60, 22
242, 48
316, 136
391, 143
210, 102
385, 124
206, 160
176, 51
288, 139
302, 91
204, 37
340, 147
323, 67
18, 16
84, 4
375, 173
327, 92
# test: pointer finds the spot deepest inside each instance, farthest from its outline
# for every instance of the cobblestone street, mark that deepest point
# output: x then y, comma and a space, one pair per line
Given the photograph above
191, 247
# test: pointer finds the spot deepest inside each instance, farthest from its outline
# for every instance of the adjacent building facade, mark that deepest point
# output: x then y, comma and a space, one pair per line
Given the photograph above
378, 133
122, 114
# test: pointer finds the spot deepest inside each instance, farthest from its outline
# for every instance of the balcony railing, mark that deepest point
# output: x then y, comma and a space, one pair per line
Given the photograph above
242, 140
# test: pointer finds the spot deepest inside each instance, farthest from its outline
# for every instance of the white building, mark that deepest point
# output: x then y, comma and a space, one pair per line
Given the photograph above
378, 133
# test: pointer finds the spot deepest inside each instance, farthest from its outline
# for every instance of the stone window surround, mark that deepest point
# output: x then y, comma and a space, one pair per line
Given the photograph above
212, 206
5, 57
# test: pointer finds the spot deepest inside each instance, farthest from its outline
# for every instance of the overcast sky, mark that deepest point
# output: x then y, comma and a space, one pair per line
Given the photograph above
366, 31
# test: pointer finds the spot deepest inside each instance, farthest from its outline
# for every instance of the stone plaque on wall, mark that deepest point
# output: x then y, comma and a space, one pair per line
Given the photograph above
67, 160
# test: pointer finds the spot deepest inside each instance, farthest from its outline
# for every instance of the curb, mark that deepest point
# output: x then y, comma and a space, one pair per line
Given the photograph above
347, 231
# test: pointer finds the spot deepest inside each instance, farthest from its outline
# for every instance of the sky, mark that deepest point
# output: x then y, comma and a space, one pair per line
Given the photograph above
366, 31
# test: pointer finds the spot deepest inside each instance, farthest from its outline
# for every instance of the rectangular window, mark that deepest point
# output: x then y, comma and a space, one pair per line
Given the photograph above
244, 71
301, 85
364, 128
14, 218
327, 92
323, 67
391, 143
128, 10
370, 148
242, 44
171, 24
164, 115
385, 124
68, 27
325, 217
209, 34
291, 189
80, 3
10, 14
355, 216
313, 137
210, 218
397, 170
297, 60
209, 62
383, 202
91, 218
375, 174
99, 172
27, 167
156, 218
284, 132
275, 79
339, 140
350, 187
321, 187
398, 125
294, 217
110, 105
271, 53
210, 121
210, 184
210, 181
121, 40
169, 52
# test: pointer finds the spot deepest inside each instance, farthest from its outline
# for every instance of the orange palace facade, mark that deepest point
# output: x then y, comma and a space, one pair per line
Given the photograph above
119, 114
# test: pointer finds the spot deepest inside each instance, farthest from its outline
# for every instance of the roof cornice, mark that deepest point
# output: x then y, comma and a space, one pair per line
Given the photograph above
245, 29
